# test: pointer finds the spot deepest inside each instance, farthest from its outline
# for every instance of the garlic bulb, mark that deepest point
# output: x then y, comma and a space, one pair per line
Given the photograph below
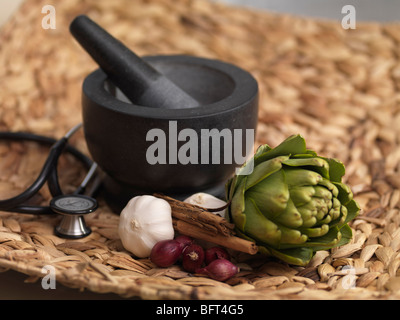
143, 222
207, 201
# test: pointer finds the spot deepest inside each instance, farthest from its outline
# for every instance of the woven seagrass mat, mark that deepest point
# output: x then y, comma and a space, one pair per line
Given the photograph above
338, 88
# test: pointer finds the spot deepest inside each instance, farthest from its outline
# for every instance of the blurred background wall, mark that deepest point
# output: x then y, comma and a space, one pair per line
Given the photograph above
367, 10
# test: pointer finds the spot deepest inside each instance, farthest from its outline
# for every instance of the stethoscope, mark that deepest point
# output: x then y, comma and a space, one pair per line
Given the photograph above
73, 206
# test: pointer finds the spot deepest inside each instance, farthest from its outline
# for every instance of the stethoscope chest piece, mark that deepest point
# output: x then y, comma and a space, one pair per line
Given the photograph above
73, 208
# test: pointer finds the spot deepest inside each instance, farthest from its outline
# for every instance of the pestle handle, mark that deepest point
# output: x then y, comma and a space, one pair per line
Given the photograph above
137, 79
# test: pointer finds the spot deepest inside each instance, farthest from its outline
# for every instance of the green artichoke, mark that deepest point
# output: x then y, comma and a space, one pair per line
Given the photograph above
293, 203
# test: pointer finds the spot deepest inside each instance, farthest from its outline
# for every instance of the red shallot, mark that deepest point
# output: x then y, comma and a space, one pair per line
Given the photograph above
192, 257
219, 269
214, 253
184, 240
165, 253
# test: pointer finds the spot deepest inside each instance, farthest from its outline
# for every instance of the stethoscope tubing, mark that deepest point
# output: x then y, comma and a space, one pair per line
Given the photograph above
48, 173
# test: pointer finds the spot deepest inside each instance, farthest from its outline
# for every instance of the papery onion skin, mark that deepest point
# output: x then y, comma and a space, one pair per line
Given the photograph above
214, 253
165, 253
184, 241
192, 257
219, 269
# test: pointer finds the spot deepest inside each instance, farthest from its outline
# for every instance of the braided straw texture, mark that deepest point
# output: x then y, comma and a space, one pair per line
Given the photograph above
338, 88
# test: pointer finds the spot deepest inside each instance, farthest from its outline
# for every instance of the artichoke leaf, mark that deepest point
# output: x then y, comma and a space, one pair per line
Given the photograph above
308, 213
315, 231
316, 164
353, 210
292, 145
229, 188
270, 195
299, 256
237, 206
336, 211
302, 156
323, 193
312, 153
235, 181
261, 150
264, 250
342, 217
244, 236
333, 214
290, 217
336, 169
301, 177
301, 195
328, 240
291, 237
345, 193
263, 170
321, 206
258, 227
347, 235
330, 186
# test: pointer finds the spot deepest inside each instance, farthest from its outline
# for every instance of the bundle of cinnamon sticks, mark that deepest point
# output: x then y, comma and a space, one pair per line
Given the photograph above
199, 223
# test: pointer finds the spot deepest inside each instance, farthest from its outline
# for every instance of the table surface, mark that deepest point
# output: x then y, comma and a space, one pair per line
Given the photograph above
13, 285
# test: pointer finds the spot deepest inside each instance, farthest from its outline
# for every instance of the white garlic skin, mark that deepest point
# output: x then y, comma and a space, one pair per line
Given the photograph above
144, 221
207, 201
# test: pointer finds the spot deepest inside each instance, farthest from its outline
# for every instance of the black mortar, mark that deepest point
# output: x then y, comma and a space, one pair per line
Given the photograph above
116, 128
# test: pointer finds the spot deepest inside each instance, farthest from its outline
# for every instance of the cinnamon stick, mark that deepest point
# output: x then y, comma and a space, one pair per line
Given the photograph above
231, 242
199, 216
198, 223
